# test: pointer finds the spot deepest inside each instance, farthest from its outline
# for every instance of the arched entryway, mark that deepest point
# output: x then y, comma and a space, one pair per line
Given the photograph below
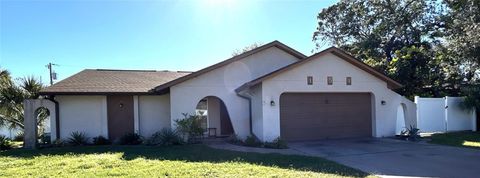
33, 108
400, 124
42, 115
215, 117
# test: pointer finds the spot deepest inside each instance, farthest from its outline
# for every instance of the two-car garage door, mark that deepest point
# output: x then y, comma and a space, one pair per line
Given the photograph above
314, 116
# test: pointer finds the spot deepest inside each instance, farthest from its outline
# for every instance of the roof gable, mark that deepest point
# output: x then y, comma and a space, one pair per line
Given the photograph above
279, 45
392, 84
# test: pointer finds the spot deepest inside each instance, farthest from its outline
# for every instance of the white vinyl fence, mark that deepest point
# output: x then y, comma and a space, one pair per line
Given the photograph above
443, 115
10, 133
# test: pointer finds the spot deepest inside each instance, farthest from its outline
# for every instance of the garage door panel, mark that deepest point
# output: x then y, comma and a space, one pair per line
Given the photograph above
311, 116
315, 134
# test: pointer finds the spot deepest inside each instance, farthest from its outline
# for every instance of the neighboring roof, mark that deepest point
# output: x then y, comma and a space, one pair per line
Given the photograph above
392, 84
277, 44
104, 81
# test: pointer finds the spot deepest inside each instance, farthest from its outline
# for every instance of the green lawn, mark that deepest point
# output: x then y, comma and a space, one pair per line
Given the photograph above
460, 139
175, 161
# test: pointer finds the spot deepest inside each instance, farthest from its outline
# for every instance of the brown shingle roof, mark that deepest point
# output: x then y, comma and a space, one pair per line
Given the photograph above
103, 81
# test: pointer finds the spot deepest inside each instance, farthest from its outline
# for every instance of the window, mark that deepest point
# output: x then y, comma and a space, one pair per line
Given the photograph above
309, 80
349, 80
330, 80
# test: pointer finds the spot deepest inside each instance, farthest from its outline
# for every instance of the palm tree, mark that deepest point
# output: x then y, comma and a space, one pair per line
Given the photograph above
4, 78
12, 97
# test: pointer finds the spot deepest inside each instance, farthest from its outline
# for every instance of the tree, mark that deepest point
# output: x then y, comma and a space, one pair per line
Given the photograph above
12, 96
463, 36
400, 38
376, 28
246, 48
5, 79
472, 99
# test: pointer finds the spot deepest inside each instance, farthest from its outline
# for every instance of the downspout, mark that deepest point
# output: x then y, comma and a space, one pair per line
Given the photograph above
249, 99
57, 116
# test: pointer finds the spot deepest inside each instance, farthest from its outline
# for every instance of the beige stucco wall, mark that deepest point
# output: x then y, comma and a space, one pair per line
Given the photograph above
89, 114
222, 82
294, 80
84, 114
257, 112
153, 114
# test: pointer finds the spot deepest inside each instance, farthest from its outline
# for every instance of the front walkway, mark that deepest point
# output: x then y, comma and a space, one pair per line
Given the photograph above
384, 157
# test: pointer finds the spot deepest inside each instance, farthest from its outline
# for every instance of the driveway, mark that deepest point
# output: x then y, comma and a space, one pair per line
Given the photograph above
389, 157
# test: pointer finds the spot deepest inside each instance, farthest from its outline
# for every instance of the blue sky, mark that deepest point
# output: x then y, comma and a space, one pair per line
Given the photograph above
157, 35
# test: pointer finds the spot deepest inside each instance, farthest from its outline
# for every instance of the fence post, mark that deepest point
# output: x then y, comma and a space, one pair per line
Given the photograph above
415, 100
474, 120
446, 113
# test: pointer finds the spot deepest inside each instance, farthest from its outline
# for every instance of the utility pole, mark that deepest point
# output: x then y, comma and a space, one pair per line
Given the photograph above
49, 66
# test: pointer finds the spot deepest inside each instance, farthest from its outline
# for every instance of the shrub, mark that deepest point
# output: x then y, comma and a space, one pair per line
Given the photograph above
190, 127
100, 140
45, 138
130, 139
252, 141
234, 140
18, 137
412, 133
165, 137
78, 138
5, 143
58, 143
278, 143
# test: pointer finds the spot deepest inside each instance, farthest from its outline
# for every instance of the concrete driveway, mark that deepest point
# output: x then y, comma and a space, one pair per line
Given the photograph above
389, 157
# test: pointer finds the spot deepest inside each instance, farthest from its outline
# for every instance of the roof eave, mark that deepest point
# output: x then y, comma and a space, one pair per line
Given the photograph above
46, 93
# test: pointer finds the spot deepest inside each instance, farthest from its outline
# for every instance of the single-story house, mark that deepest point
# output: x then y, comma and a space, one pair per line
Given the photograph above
271, 91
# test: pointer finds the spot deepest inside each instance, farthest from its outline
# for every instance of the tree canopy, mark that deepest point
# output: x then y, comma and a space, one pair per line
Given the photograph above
12, 95
246, 48
432, 47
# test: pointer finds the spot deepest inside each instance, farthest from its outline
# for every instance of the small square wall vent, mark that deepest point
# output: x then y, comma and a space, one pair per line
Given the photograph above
349, 80
309, 80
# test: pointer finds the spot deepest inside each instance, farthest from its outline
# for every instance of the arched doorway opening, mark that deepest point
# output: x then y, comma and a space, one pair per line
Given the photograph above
215, 118
42, 115
400, 124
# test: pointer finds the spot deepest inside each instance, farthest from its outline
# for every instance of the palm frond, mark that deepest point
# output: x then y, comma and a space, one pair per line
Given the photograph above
12, 95
31, 86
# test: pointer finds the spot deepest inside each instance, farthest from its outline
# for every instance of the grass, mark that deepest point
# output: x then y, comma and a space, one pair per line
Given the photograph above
459, 139
174, 161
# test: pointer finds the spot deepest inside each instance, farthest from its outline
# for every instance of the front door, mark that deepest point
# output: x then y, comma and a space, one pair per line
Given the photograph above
120, 116
225, 123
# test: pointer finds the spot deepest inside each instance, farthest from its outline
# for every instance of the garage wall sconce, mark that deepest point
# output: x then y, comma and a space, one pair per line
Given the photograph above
272, 103
383, 102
